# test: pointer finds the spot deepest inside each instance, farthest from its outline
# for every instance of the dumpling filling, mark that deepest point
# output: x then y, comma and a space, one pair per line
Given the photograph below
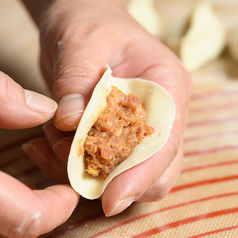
119, 128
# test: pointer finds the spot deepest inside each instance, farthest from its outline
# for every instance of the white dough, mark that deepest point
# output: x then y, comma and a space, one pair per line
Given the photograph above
160, 110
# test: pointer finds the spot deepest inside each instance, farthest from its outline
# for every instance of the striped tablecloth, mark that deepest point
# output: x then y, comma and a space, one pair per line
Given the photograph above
204, 199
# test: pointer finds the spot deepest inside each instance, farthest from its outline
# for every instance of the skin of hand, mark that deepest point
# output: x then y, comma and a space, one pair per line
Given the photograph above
26, 212
77, 41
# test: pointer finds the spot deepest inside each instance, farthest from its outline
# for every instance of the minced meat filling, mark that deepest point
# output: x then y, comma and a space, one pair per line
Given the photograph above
119, 128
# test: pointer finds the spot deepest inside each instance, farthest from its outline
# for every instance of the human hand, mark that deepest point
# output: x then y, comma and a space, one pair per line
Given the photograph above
25, 212
21, 108
78, 40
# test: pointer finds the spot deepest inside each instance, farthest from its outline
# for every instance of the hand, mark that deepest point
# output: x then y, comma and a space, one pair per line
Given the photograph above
21, 108
77, 41
26, 212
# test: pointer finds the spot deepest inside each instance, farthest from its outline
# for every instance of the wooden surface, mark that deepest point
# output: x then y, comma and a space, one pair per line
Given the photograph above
204, 199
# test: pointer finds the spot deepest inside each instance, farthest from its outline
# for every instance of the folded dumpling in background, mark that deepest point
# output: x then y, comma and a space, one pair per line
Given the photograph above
205, 39
199, 39
233, 43
145, 13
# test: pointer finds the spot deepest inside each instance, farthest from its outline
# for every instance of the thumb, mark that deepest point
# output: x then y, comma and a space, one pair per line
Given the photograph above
21, 108
77, 73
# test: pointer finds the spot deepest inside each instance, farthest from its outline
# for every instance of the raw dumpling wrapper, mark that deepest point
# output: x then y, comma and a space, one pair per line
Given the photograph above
160, 110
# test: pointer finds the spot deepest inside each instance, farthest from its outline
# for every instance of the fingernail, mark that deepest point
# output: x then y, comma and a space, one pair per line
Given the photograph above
121, 206
39, 158
62, 149
69, 105
40, 103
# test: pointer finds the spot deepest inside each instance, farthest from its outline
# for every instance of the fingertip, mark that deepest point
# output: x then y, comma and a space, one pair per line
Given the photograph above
74, 192
21, 108
40, 104
119, 206
68, 195
69, 112
129, 186
121, 192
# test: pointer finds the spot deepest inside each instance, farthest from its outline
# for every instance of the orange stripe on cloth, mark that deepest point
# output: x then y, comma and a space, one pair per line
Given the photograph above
204, 182
213, 121
211, 150
215, 94
215, 232
76, 225
210, 136
182, 222
217, 107
224, 163
163, 210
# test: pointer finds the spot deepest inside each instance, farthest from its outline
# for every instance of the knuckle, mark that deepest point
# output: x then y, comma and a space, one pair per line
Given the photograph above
164, 187
74, 78
163, 190
160, 189
72, 71
28, 227
174, 145
31, 228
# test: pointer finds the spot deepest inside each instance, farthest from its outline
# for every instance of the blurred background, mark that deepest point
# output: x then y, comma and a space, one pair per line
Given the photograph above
19, 46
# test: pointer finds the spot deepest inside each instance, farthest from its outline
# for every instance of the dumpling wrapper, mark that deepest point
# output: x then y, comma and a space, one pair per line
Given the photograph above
160, 110
205, 39
199, 39
145, 13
